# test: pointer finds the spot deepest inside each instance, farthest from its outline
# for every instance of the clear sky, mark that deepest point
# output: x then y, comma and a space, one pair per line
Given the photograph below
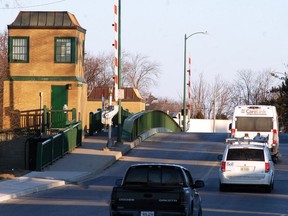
242, 34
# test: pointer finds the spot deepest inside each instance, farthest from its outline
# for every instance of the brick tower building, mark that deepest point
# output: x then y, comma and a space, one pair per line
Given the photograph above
46, 55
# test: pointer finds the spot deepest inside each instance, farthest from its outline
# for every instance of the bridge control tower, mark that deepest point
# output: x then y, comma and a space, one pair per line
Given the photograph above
46, 55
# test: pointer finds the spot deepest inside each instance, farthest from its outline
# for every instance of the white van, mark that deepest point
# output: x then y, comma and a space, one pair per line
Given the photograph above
259, 123
246, 164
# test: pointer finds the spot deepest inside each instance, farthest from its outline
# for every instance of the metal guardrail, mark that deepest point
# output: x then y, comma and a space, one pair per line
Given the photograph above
37, 121
59, 118
124, 113
137, 124
30, 120
95, 124
44, 151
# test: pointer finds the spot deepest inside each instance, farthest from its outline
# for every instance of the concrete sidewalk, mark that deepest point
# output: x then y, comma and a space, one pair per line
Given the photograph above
84, 162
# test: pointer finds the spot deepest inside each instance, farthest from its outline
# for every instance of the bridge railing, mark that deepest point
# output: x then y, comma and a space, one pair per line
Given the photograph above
38, 121
44, 151
59, 118
95, 123
139, 123
124, 114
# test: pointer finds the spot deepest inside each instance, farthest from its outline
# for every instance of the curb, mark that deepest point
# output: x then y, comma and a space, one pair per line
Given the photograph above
24, 185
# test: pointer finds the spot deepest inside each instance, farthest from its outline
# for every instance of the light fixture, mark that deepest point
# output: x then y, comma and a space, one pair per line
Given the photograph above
69, 86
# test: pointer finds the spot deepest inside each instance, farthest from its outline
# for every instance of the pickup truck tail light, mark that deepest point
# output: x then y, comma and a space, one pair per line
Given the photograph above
223, 166
267, 167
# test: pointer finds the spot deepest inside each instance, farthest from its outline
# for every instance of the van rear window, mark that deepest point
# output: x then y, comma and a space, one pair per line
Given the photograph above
257, 124
246, 154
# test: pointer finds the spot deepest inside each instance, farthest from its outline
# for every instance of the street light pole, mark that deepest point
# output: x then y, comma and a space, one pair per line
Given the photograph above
184, 87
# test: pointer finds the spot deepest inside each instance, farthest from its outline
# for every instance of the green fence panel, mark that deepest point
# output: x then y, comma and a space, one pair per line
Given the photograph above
55, 147
79, 135
58, 146
58, 119
48, 152
71, 138
65, 142
39, 156
95, 123
44, 154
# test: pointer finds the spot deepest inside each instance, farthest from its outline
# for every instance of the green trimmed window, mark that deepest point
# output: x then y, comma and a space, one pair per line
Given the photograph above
65, 50
18, 49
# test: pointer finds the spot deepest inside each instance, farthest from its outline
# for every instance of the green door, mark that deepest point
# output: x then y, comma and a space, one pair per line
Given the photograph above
59, 97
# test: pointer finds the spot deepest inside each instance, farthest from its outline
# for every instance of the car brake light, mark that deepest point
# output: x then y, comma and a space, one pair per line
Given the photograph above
267, 167
223, 166
232, 132
274, 136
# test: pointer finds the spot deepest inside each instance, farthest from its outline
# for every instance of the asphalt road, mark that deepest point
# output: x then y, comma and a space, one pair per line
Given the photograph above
197, 152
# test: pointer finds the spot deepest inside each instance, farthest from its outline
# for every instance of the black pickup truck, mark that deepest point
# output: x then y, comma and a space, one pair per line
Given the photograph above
156, 190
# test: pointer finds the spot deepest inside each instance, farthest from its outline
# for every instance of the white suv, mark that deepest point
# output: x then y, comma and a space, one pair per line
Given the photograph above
246, 164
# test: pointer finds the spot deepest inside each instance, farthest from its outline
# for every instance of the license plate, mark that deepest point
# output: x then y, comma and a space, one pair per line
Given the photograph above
147, 213
245, 169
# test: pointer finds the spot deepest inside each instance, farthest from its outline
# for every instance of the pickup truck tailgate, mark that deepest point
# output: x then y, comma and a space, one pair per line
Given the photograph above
145, 198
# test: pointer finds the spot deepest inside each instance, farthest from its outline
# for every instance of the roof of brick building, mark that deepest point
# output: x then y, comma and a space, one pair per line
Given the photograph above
46, 19
130, 94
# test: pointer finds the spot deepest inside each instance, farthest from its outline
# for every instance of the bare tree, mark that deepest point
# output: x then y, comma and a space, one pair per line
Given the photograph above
252, 87
207, 99
264, 86
3, 69
3, 55
139, 72
219, 99
166, 104
199, 92
98, 70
